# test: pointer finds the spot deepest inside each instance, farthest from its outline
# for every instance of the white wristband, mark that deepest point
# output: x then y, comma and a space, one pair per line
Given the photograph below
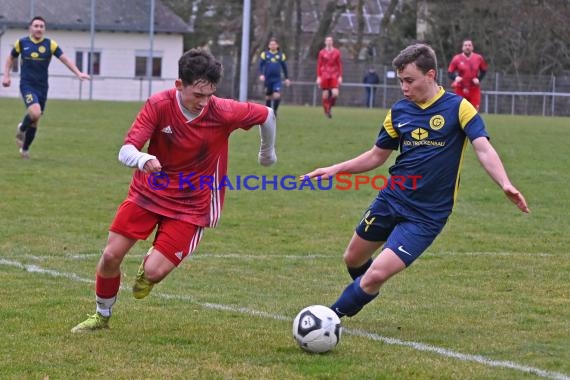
130, 156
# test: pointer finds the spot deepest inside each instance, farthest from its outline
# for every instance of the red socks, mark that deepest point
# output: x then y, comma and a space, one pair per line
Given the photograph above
107, 287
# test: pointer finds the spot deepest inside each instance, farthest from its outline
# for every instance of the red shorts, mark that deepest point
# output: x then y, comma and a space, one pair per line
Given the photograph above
472, 94
329, 83
174, 239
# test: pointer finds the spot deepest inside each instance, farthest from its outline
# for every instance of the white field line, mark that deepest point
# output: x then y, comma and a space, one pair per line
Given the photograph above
356, 332
244, 256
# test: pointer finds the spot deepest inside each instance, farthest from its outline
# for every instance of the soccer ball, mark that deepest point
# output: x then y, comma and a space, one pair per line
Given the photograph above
317, 329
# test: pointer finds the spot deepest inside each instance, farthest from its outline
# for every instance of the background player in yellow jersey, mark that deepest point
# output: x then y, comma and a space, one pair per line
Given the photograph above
272, 62
36, 52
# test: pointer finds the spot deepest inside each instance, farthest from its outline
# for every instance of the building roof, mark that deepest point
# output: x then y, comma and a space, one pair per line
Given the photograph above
110, 15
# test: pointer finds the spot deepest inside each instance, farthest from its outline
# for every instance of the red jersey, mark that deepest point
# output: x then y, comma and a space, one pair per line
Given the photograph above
193, 155
467, 67
329, 64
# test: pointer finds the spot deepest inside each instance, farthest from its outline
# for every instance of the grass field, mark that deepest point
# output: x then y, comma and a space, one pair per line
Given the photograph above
488, 300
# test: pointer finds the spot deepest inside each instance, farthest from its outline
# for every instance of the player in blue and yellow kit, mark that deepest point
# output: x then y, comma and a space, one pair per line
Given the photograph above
36, 52
430, 127
271, 63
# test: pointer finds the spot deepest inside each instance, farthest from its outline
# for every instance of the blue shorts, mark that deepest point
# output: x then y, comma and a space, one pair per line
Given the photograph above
32, 95
272, 86
406, 233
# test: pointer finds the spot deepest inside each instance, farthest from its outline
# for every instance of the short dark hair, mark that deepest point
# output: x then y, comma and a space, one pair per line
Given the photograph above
421, 54
37, 18
273, 39
197, 65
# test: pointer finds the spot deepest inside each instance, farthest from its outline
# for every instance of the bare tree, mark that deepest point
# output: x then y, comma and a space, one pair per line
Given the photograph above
355, 47
520, 36
325, 27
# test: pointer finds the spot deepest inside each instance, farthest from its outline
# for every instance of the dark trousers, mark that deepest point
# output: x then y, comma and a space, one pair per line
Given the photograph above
370, 97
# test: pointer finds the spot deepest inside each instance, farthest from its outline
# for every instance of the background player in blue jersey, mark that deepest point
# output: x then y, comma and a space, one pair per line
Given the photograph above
36, 52
271, 63
430, 127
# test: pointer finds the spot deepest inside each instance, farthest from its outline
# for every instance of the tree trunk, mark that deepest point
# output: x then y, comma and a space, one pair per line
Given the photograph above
325, 26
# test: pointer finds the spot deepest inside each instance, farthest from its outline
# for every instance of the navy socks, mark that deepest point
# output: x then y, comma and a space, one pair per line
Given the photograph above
352, 300
26, 121
359, 271
30, 135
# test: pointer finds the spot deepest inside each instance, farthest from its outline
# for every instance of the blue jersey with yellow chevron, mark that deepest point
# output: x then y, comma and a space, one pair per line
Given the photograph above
432, 138
271, 63
35, 60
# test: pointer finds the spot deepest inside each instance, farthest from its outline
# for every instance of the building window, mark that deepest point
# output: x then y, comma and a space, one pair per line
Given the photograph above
140, 64
83, 62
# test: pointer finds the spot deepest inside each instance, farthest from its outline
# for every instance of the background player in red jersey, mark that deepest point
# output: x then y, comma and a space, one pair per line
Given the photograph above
178, 187
466, 70
329, 74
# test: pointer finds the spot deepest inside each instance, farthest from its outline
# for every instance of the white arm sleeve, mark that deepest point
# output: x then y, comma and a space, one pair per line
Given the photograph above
267, 154
130, 156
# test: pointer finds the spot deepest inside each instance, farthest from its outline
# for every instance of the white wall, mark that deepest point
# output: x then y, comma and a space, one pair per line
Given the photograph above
116, 80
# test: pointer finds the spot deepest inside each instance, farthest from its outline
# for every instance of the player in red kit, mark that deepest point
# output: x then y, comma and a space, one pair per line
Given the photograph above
178, 187
466, 70
329, 74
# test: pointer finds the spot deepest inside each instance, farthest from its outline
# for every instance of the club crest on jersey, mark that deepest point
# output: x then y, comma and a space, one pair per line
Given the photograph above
42, 49
436, 122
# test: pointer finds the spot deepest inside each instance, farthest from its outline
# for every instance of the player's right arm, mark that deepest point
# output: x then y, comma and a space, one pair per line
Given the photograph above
267, 155
368, 160
130, 156
6, 81
452, 70
141, 131
319, 68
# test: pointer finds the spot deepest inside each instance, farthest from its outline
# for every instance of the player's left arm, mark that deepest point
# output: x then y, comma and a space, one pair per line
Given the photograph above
339, 68
285, 69
481, 71
262, 63
491, 162
481, 74
72, 67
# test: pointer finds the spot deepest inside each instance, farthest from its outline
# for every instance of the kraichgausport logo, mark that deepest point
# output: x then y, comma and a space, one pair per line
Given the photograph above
342, 181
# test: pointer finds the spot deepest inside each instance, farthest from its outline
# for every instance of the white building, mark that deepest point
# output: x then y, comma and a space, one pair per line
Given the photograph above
121, 46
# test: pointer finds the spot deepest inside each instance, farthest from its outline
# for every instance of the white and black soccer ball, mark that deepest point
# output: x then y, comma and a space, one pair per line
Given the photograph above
317, 329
